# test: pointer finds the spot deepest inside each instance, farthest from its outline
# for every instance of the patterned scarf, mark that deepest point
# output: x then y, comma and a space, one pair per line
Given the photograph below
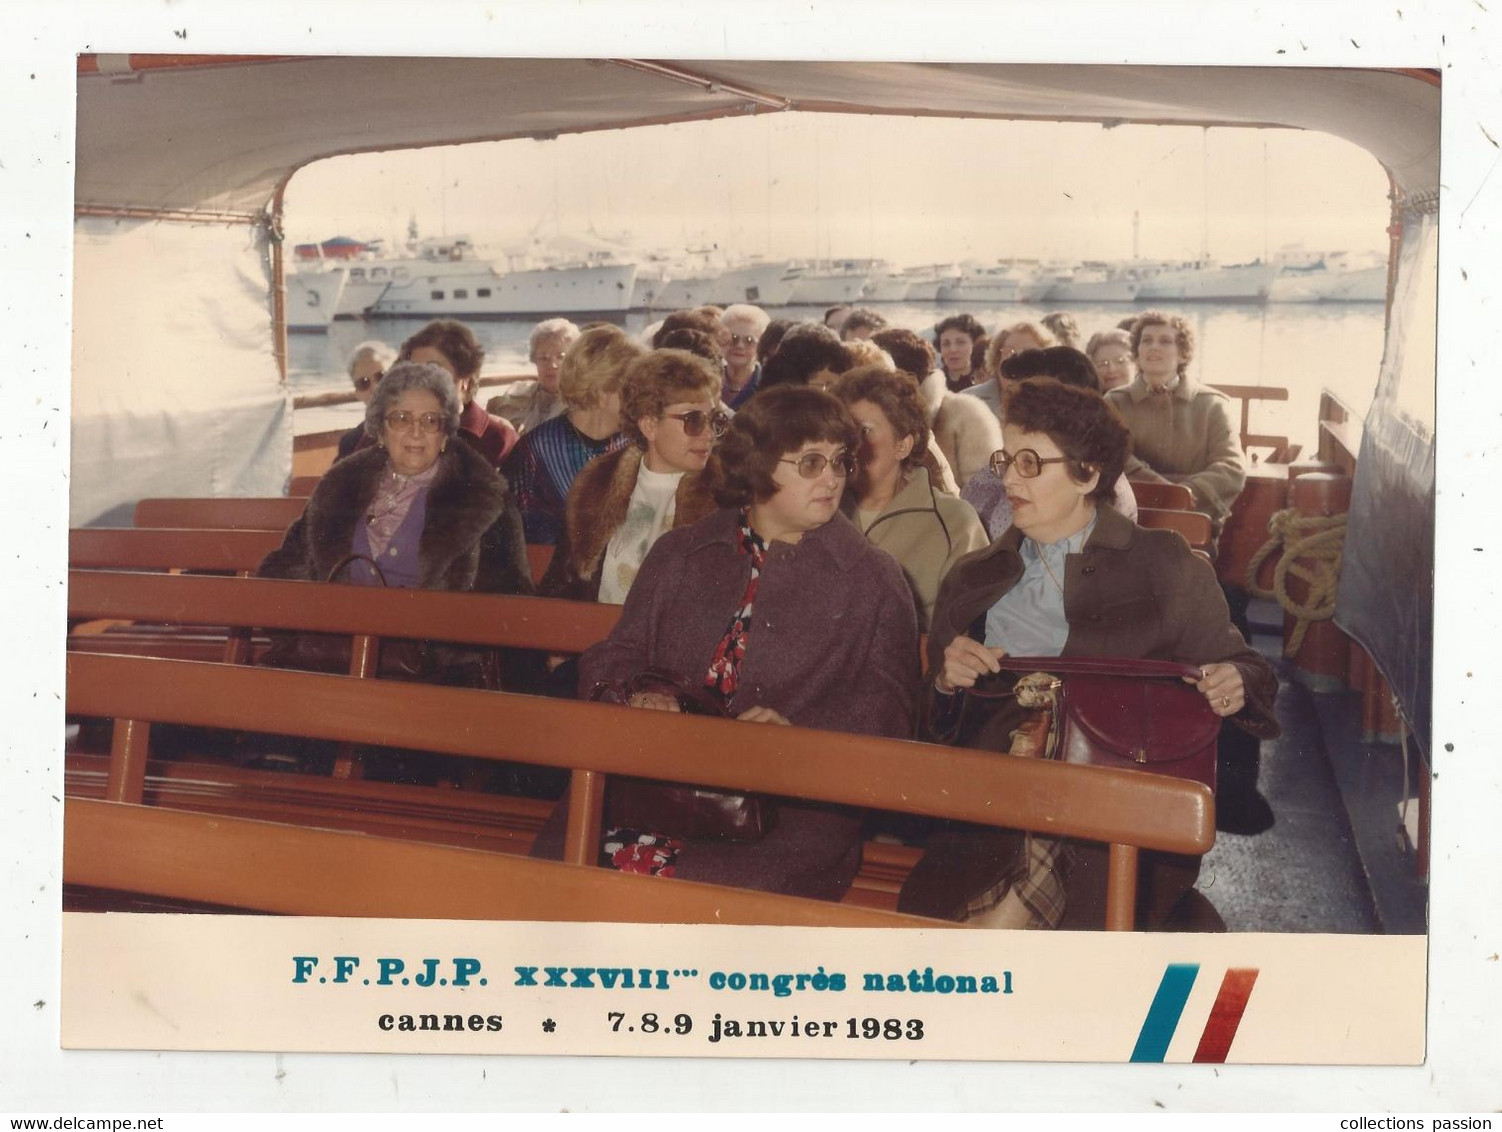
724, 669
393, 499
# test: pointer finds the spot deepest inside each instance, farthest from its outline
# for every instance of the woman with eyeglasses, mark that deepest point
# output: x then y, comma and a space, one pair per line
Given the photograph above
365, 365
891, 498
622, 502
420, 508
1110, 353
779, 609
1073, 578
985, 491
1008, 343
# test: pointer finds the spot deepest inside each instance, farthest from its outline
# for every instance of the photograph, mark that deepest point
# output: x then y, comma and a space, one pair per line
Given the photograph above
1028, 465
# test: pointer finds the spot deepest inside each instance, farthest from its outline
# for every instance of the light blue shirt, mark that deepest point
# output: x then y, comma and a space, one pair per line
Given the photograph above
1029, 618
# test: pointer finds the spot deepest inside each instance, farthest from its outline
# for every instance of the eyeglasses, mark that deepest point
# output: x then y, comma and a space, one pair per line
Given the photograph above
1029, 463
696, 420
364, 383
811, 465
743, 339
400, 420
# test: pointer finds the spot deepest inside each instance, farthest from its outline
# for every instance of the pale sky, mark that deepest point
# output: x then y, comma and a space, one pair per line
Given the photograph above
911, 190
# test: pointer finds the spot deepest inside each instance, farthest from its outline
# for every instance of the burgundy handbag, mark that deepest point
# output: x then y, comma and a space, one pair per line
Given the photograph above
687, 812
1136, 714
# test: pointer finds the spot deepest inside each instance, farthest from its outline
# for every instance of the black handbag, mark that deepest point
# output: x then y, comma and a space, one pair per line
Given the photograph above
1125, 713
331, 652
688, 812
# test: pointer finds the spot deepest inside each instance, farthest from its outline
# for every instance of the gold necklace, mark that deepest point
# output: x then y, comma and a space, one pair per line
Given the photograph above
1052, 577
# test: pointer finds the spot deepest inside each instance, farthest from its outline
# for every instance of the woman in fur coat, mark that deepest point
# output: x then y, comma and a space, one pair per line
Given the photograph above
429, 509
623, 501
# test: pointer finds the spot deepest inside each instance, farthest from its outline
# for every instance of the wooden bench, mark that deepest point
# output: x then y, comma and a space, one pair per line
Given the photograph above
132, 548
1163, 496
235, 863
1282, 451
1126, 809
272, 513
1193, 525
365, 614
129, 548
225, 551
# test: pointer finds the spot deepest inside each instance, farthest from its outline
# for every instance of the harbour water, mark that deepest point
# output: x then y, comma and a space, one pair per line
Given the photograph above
1303, 347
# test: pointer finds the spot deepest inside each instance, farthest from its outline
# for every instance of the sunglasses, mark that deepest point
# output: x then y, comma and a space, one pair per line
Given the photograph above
743, 339
695, 421
1029, 463
364, 383
400, 420
811, 465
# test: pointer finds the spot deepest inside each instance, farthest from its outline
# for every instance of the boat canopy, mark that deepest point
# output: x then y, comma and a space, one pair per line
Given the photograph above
178, 383
223, 137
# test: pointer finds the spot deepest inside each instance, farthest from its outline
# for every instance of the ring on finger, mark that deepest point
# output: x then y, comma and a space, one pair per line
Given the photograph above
1225, 701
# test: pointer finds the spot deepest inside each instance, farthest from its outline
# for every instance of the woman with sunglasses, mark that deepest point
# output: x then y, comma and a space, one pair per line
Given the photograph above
622, 502
1074, 578
425, 507
366, 363
777, 607
743, 325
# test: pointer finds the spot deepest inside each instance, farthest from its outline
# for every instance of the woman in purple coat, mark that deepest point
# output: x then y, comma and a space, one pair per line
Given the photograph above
778, 607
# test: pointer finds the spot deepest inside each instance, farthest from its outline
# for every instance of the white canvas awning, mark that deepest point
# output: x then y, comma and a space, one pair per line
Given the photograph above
163, 133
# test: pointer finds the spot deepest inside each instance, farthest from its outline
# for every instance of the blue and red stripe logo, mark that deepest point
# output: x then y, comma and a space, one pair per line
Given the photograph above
1167, 1009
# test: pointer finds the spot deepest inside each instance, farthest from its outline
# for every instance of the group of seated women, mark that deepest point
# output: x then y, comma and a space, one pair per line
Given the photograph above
781, 561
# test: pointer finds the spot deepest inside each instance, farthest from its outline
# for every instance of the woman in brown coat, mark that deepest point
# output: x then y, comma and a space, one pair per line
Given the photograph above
778, 607
1069, 578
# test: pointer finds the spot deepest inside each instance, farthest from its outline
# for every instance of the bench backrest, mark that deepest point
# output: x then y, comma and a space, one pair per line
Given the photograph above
132, 548
295, 871
1246, 394
272, 513
1194, 526
1127, 809
1164, 496
264, 603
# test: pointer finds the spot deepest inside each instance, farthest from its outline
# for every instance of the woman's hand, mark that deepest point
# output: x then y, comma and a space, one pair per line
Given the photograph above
965, 661
654, 701
1222, 685
763, 715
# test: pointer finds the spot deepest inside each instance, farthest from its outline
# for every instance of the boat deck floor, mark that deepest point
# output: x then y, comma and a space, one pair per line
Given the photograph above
1334, 860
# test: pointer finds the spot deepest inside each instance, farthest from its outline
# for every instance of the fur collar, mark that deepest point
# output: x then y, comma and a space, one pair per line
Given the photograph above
466, 498
600, 497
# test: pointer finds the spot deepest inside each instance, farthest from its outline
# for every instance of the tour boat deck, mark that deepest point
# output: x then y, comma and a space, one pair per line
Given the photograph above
1334, 860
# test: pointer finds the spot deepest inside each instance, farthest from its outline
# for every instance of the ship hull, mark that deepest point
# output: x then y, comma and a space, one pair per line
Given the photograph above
483, 293
815, 290
1248, 284
1096, 291
763, 285
979, 291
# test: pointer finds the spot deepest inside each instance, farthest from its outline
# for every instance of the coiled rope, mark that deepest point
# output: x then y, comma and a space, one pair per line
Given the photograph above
1311, 546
